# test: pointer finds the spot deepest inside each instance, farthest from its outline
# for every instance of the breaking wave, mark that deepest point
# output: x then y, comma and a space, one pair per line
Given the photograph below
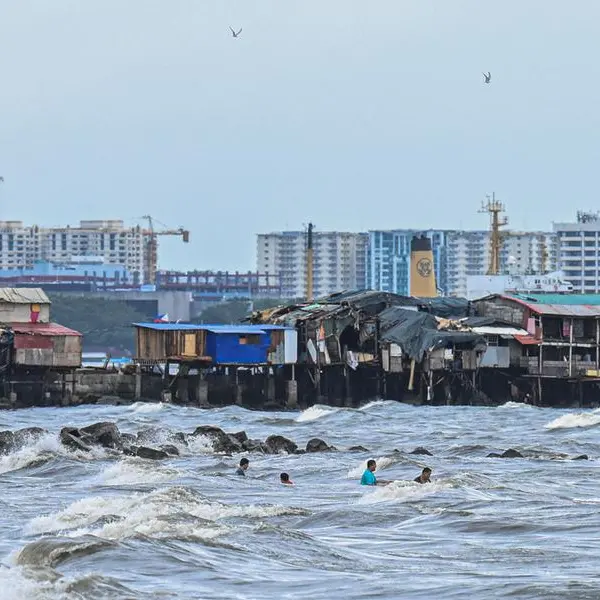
402, 491
573, 420
147, 407
135, 472
382, 463
177, 513
315, 412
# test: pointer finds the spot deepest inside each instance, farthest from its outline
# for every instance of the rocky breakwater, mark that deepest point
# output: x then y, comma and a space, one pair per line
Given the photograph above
144, 443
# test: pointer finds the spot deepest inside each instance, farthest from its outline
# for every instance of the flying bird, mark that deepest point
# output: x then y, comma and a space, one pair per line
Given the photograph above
487, 76
233, 33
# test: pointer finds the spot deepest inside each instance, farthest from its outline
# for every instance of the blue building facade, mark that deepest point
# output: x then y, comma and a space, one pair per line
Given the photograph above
388, 259
237, 344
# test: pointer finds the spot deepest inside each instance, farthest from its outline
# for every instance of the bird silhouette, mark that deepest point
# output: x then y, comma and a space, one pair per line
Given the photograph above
233, 33
487, 77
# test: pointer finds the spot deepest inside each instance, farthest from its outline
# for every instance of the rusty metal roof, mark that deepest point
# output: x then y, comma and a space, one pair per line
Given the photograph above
559, 310
23, 296
50, 329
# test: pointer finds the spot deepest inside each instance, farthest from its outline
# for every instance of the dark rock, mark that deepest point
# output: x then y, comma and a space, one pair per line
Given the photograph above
317, 445
358, 449
511, 453
151, 453
221, 441
130, 450
7, 440
170, 449
421, 450
105, 434
255, 446
300, 451
581, 457
277, 444
128, 438
70, 437
240, 436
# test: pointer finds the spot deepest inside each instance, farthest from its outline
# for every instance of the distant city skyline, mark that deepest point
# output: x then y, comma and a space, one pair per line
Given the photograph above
355, 118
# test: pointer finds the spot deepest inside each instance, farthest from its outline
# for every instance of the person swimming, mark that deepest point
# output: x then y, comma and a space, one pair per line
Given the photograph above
285, 479
244, 464
425, 476
368, 477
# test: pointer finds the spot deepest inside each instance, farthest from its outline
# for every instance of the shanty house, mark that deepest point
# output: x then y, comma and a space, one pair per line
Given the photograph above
24, 305
215, 344
46, 345
562, 331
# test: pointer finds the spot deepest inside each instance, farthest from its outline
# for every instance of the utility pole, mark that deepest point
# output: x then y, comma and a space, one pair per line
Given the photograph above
309, 262
494, 208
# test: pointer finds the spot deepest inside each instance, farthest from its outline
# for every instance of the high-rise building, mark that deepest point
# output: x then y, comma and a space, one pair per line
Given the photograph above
457, 254
108, 242
579, 252
338, 261
388, 259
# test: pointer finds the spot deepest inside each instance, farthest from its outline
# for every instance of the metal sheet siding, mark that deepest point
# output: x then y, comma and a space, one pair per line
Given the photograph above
225, 349
290, 346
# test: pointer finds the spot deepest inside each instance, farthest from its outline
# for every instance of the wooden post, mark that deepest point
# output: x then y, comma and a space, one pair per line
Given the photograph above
571, 349
138, 382
411, 380
539, 390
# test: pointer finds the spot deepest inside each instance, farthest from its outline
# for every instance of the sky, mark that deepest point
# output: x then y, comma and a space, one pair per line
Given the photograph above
349, 114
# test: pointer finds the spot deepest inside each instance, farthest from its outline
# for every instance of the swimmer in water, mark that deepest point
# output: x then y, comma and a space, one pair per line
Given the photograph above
244, 464
368, 477
285, 479
425, 476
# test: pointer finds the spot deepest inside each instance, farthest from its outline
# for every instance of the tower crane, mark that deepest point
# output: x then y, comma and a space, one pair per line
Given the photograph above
151, 249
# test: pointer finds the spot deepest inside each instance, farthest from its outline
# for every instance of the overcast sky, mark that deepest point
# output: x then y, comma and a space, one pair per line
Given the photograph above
354, 115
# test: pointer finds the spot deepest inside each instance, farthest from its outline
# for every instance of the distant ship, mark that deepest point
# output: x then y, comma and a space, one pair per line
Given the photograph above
479, 286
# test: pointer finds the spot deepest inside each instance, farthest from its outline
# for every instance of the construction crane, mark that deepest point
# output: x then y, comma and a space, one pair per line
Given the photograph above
151, 250
494, 207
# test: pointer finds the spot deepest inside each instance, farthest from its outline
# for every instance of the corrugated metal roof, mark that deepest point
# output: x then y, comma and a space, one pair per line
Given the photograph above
236, 329
562, 299
42, 329
559, 310
169, 326
23, 296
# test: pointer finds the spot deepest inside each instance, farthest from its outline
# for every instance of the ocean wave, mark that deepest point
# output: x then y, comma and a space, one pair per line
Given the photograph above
572, 420
147, 407
315, 412
382, 463
378, 404
177, 513
135, 472
43, 449
402, 491
512, 404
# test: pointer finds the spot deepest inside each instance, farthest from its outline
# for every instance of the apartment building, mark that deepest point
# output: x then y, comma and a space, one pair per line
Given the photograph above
523, 252
108, 242
388, 259
338, 261
579, 252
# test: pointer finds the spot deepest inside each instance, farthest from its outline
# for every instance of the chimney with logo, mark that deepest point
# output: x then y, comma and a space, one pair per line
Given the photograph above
422, 274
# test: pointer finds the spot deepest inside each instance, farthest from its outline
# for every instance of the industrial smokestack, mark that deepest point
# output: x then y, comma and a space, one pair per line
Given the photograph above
422, 274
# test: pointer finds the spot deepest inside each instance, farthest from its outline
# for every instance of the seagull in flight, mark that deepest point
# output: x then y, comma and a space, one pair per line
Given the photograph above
233, 33
487, 76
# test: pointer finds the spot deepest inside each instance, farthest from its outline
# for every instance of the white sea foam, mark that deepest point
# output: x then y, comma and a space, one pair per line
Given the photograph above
377, 404
199, 444
134, 472
42, 449
17, 585
401, 491
382, 463
512, 404
147, 407
315, 412
572, 420
169, 512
